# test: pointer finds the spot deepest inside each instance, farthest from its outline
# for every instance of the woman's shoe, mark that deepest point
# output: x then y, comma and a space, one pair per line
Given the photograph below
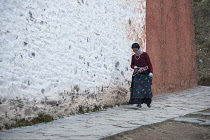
148, 105
139, 105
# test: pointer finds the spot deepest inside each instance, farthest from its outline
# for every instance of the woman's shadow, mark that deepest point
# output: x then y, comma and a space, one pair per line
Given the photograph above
134, 107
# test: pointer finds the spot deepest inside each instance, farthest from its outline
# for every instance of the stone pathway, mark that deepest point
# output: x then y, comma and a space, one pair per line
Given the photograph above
97, 125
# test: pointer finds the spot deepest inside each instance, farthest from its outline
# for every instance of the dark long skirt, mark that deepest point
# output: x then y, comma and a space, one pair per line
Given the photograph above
141, 89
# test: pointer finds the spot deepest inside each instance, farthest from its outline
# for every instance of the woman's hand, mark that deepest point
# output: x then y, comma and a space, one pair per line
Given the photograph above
135, 68
151, 75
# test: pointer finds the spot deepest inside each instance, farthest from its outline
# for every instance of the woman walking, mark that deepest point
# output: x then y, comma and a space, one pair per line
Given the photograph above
142, 77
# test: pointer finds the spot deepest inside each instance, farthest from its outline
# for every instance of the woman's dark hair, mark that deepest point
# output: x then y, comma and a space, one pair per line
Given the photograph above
135, 45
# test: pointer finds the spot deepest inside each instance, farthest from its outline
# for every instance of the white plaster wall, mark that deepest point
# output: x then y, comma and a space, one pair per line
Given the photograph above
68, 53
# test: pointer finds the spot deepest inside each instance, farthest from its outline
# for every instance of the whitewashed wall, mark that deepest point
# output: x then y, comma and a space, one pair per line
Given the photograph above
57, 56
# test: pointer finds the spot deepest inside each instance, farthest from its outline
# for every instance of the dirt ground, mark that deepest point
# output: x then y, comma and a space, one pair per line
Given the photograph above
169, 130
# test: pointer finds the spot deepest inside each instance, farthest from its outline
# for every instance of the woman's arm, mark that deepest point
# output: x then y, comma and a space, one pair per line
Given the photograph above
149, 63
132, 63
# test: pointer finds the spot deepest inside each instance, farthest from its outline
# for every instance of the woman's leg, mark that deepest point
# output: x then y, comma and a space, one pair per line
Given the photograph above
139, 103
149, 100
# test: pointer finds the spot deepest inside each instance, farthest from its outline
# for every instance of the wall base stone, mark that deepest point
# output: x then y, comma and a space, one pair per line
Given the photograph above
67, 106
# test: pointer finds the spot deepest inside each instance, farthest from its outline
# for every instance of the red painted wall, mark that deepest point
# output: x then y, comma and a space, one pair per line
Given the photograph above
170, 44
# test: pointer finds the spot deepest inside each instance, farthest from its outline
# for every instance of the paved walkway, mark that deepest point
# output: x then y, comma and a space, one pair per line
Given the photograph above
97, 125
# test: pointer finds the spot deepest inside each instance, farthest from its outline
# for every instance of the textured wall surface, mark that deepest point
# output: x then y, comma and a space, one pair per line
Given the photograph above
61, 57
64, 57
170, 44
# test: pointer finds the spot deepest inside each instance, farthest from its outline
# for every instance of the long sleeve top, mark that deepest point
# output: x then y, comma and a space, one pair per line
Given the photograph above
143, 61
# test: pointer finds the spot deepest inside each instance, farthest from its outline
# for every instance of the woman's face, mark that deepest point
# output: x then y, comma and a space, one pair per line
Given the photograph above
135, 50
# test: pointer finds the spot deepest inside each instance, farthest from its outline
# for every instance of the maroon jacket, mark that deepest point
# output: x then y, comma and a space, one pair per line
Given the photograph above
142, 61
